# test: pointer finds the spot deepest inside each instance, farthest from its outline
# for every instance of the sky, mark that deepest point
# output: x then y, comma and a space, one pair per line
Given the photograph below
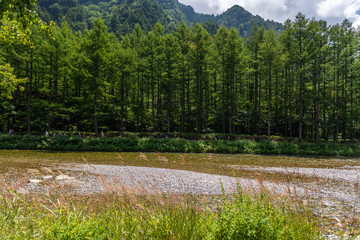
333, 11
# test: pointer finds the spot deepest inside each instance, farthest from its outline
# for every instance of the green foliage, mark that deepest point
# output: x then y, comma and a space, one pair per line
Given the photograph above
9, 83
151, 144
16, 18
247, 218
75, 227
163, 216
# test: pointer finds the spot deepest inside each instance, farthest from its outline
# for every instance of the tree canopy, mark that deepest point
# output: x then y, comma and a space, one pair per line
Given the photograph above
17, 17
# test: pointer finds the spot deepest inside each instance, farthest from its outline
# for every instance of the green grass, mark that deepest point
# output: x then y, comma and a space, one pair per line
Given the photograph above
129, 216
150, 144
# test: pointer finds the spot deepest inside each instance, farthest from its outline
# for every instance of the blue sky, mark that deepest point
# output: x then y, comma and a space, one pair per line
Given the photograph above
333, 11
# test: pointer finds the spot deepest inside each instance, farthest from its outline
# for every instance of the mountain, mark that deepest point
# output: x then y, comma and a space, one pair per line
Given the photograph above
243, 20
119, 15
122, 15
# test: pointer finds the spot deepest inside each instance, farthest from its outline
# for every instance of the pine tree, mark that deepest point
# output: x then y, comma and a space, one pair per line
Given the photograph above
96, 48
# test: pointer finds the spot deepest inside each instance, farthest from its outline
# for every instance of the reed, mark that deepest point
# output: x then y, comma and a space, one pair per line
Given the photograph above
123, 212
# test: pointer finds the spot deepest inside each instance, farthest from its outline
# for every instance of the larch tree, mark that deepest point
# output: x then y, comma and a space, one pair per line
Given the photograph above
96, 49
270, 55
183, 35
199, 53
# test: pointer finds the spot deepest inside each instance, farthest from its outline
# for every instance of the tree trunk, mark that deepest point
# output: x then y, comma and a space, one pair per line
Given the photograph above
29, 93
182, 101
96, 126
269, 105
122, 112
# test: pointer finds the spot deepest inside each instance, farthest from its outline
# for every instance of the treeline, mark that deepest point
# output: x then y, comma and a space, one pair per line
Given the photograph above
303, 82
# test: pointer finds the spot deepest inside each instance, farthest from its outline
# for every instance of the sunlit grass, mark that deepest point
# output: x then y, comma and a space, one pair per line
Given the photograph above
126, 215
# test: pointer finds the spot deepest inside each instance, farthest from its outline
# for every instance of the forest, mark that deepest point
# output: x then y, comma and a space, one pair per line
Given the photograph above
121, 16
301, 83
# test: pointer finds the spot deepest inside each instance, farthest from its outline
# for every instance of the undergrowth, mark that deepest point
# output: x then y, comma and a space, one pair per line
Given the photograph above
151, 144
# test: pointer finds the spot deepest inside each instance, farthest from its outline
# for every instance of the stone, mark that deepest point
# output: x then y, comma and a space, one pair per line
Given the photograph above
64, 177
47, 177
35, 181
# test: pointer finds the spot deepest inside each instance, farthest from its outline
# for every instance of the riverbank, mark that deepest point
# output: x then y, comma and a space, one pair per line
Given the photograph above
131, 210
326, 187
151, 144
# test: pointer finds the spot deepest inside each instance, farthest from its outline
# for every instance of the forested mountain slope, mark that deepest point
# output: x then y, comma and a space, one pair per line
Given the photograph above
242, 20
122, 15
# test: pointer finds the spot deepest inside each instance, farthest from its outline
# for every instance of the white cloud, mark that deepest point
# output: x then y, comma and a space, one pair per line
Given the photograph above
333, 11
331, 8
340, 9
205, 6
352, 12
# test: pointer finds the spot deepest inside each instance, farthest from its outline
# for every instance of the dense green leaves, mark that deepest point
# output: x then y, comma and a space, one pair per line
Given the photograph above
16, 18
8, 83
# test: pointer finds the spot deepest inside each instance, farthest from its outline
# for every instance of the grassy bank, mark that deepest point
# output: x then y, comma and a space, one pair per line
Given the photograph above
150, 144
129, 216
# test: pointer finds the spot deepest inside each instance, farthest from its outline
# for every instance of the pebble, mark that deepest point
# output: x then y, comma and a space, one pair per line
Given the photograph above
63, 177
35, 181
170, 180
47, 177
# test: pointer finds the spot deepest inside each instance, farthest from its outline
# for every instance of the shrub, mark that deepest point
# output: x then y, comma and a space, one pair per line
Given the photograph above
258, 218
151, 144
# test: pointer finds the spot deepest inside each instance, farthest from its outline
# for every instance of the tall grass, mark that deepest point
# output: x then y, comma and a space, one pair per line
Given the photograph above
150, 216
134, 144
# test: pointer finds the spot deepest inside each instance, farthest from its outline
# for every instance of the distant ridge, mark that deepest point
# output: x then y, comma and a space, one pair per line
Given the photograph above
243, 20
122, 15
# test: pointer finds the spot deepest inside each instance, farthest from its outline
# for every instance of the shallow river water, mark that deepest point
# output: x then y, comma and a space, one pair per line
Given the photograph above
330, 184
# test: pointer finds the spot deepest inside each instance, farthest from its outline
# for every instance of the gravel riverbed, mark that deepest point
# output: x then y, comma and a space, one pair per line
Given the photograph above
330, 187
165, 180
334, 194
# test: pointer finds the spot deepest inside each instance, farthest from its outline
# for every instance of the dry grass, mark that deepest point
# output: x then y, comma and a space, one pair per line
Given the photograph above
161, 158
143, 156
